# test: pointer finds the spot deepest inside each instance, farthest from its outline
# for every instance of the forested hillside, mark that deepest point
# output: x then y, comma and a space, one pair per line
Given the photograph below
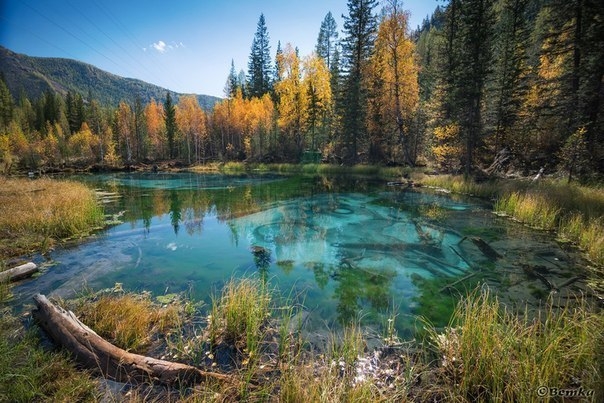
34, 76
520, 80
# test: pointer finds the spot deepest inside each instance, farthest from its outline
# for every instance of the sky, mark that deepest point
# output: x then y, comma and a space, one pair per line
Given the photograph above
183, 45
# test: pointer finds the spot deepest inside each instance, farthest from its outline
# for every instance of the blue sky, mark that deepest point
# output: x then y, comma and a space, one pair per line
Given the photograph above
184, 45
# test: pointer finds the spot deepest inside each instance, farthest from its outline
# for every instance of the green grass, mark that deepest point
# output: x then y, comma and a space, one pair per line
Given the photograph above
532, 209
491, 354
30, 373
487, 353
318, 169
239, 315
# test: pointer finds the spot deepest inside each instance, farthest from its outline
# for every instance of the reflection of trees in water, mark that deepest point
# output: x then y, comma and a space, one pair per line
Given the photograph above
357, 285
193, 220
175, 211
262, 260
225, 203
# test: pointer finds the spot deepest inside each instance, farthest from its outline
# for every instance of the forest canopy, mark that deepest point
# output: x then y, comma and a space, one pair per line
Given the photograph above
477, 79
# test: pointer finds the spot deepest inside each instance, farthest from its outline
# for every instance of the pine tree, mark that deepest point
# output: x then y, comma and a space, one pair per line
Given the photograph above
170, 119
259, 66
505, 89
6, 105
360, 27
230, 88
327, 40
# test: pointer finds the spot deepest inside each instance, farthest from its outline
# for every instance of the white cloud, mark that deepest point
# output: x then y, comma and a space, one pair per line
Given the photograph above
160, 46
163, 47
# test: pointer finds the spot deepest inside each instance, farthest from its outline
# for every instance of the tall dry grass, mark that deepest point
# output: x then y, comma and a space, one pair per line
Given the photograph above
36, 213
128, 320
491, 354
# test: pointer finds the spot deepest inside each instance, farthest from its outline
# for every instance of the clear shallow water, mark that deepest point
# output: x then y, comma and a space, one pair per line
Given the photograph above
342, 246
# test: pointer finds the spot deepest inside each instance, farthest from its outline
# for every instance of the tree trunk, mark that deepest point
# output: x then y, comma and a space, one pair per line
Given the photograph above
19, 272
94, 352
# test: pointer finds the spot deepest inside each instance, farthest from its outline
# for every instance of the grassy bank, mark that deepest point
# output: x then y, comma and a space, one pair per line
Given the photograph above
487, 353
325, 169
34, 214
491, 354
575, 212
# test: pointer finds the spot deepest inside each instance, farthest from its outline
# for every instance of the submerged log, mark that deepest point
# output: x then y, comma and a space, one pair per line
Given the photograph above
533, 271
484, 247
94, 352
453, 284
19, 272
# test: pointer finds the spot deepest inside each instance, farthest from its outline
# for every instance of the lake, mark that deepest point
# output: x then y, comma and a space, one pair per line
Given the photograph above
343, 247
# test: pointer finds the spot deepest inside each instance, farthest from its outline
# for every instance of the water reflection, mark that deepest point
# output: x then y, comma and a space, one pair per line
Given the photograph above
352, 247
175, 211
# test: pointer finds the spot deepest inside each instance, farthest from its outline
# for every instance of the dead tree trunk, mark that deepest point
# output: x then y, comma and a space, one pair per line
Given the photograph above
19, 272
94, 352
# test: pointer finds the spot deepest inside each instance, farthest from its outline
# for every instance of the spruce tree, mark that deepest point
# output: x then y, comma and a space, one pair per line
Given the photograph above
476, 22
327, 40
6, 105
170, 119
505, 88
259, 66
230, 88
360, 27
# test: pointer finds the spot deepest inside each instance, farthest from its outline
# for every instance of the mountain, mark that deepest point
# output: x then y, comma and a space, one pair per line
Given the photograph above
36, 75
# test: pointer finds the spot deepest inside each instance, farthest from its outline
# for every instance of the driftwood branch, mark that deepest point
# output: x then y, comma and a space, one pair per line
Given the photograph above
94, 352
19, 272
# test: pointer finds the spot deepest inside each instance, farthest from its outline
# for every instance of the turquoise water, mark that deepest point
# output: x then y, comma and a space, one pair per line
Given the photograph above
343, 247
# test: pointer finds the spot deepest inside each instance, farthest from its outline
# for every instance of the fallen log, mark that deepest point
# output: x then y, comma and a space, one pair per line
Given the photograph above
484, 247
94, 352
19, 272
532, 271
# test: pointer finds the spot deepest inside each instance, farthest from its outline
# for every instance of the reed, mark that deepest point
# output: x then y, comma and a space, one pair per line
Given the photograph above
535, 210
491, 354
347, 347
587, 234
462, 185
36, 213
239, 314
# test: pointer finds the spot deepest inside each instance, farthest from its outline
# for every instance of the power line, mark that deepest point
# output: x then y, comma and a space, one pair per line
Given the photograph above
91, 22
131, 37
71, 34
